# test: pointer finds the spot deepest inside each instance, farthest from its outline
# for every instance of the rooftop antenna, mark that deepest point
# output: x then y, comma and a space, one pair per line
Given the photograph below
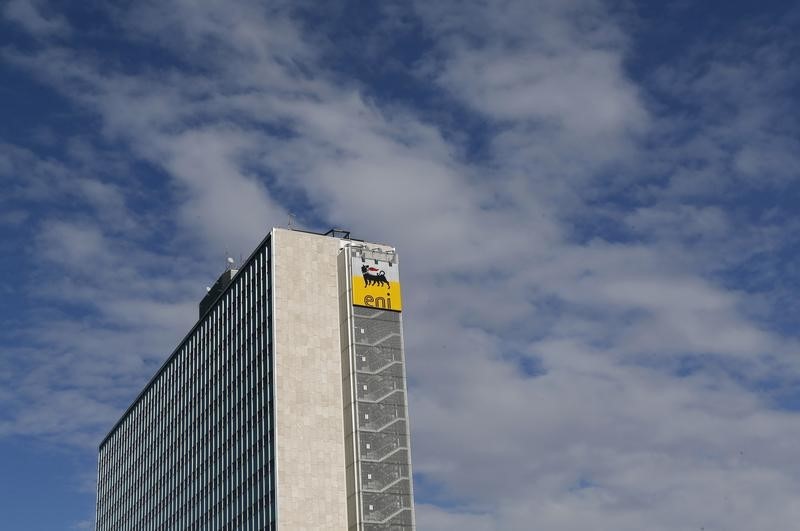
289, 221
229, 264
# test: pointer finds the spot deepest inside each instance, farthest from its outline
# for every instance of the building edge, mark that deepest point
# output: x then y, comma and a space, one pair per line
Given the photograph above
264, 241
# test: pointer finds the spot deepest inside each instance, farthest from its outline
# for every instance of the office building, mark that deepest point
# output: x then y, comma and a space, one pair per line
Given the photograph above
283, 408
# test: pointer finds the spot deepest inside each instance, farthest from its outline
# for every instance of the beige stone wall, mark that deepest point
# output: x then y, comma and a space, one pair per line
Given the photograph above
345, 329
310, 451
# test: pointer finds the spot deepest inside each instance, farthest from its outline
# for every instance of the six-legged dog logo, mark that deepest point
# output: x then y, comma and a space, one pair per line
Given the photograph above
375, 277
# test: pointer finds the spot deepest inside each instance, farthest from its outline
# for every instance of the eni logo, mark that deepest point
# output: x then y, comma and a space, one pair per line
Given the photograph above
374, 277
375, 287
378, 302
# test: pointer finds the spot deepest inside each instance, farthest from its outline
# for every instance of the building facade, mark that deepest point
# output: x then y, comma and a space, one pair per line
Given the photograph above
283, 408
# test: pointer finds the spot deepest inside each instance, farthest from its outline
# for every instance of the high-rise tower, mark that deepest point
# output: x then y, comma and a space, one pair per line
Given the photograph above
283, 408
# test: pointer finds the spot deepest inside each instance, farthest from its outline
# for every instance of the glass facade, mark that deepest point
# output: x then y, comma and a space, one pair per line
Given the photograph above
195, 451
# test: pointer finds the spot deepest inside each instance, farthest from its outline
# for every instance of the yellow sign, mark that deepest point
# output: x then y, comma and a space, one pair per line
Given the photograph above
376, 284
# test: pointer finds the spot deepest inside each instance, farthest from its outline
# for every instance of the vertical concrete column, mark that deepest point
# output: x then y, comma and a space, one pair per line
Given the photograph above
311, 491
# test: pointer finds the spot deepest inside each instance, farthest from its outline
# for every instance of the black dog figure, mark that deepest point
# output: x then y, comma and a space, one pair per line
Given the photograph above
379, 279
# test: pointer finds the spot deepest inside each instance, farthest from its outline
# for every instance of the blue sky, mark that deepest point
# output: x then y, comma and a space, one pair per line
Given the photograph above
596, 205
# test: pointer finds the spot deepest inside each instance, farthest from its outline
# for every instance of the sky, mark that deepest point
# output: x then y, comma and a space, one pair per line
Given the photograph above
595, 204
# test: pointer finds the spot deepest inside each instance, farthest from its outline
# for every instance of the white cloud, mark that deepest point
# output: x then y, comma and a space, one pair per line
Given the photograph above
434, 518
29, 15
549, 72
231, 208
74, 246
733, 135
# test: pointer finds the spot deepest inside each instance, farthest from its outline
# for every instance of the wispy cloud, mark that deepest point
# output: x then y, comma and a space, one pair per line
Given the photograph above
36, 17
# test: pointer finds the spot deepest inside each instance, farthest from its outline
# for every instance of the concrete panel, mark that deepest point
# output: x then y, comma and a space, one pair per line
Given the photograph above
310, 451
